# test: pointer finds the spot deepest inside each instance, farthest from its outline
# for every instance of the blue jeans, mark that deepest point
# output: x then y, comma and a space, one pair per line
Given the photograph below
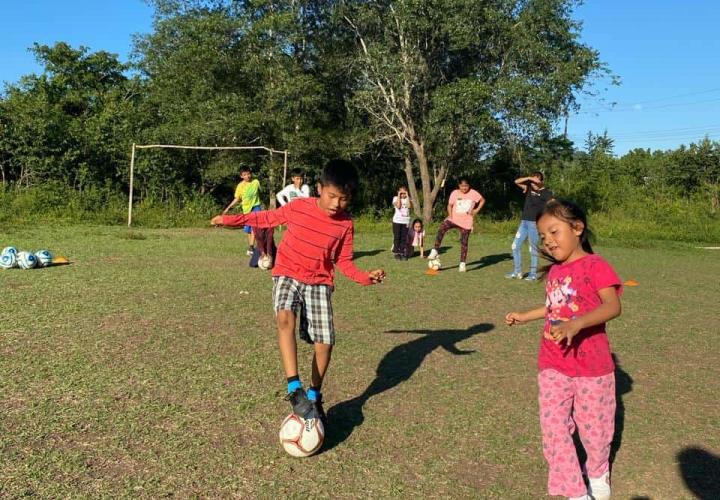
527, 230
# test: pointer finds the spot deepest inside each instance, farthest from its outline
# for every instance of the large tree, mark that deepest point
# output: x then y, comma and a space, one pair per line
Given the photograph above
446, 80
69, 123
234, 73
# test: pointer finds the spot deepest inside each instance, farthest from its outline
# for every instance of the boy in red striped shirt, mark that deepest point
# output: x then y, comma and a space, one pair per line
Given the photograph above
319, 236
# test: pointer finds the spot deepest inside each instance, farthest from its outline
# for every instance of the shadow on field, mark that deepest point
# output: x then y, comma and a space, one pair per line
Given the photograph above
488, 260
700, 471
396, 367
623, 385
366, 253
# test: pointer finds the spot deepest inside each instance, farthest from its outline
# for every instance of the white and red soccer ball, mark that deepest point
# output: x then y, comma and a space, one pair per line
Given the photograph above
300, 437
265, 262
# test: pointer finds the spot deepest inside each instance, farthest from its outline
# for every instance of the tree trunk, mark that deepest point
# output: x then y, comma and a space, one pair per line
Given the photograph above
431, 184
427, 198
414, 198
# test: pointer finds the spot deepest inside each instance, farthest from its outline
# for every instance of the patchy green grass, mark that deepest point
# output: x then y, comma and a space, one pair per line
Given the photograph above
139, 370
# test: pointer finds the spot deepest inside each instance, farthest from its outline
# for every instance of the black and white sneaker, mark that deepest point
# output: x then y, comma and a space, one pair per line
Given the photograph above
301, 405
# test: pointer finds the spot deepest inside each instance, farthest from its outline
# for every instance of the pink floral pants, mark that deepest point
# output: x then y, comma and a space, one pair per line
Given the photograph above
568, 403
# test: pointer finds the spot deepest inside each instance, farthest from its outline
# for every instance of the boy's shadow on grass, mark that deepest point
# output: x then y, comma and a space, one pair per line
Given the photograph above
623, 385
396, 367
488, 260
366, 253
700, 471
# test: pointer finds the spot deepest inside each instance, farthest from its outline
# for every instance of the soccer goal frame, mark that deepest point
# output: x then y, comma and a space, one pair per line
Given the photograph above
135, 147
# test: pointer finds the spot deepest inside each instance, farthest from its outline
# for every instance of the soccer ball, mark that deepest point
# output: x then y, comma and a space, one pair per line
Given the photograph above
11, 250
434, 264
44, 258
265, 262
8, 260
26, 260
300, 437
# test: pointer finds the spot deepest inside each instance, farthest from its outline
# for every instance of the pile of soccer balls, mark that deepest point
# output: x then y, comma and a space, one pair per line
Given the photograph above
10, 257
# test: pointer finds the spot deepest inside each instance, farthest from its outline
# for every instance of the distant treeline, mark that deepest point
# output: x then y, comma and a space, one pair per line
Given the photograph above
415, 93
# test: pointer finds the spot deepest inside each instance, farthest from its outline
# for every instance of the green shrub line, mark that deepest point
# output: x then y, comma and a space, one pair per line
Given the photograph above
637, 223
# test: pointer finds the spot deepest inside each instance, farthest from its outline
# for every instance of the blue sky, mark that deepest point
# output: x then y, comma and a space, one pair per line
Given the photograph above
95, 24
666, 53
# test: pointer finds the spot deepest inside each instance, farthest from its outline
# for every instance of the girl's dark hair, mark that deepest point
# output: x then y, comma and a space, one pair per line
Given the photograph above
572, 214
416, 221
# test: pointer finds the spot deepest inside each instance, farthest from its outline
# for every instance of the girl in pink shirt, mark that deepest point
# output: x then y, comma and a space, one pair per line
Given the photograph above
463, 205
576, 371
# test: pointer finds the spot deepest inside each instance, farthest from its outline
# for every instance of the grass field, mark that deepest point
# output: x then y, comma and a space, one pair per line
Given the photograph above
141, 371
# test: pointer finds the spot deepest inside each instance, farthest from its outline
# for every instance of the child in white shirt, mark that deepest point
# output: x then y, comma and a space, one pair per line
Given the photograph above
295, 190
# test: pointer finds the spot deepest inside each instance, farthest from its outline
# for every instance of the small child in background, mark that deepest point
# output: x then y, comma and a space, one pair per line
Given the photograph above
401, 220
295, 190
416, 238
576, 370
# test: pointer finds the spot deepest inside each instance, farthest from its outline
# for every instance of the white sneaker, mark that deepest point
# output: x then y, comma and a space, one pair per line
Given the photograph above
461, 267
600, 487
433, 254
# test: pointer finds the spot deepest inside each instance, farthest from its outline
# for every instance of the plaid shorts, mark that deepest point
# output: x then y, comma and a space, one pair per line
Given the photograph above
312, 303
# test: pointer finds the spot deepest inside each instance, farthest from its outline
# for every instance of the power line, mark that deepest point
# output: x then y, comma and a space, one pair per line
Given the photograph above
665, 139
680, 95
668, 133
639, 108
631, 106
685, 137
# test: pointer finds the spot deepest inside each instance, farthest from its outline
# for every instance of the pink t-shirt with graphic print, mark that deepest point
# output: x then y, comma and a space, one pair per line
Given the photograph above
463, 204
571, 291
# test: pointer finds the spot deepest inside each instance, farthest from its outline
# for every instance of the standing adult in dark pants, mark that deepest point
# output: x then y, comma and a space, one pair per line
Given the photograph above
536, 196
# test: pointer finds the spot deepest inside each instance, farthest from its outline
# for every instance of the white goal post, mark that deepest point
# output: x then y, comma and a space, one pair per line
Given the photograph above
173, 146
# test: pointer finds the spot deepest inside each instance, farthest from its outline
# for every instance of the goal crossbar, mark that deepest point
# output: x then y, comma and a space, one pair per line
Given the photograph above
283, 152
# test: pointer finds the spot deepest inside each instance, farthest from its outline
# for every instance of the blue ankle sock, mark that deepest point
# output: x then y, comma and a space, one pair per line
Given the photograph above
294, 384
313, 394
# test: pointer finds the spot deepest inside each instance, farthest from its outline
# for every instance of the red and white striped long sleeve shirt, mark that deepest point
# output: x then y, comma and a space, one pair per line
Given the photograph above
313, 243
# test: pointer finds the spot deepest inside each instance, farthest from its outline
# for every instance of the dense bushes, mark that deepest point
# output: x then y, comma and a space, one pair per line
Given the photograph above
636, 220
